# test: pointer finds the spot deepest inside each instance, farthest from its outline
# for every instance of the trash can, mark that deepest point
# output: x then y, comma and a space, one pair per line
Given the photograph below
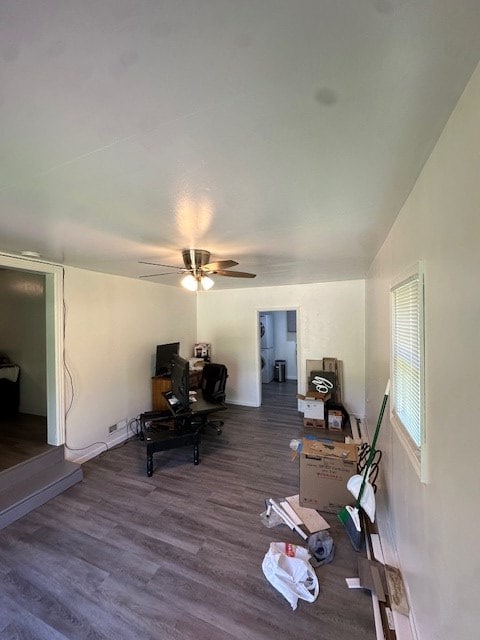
280, 370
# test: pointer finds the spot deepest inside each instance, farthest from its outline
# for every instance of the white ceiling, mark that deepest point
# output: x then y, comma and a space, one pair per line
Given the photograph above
285, 134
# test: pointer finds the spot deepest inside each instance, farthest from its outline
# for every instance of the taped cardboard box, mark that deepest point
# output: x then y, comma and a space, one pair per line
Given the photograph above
335, 419
315, 423
314, 395
324, 473
313, 404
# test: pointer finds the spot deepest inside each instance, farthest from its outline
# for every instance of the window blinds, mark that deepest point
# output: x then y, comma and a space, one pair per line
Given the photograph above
407, 356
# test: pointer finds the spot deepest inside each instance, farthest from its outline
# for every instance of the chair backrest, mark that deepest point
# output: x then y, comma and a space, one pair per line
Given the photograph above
214, 379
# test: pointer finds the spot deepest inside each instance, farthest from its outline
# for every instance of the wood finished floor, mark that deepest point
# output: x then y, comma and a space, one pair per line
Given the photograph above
22, 436
178, 555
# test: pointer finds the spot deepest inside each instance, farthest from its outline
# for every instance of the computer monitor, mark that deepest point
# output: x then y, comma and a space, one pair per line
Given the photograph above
181, 382
163, 360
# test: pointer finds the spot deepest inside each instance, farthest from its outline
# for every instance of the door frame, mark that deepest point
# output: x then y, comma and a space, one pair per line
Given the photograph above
54, 338
258, 312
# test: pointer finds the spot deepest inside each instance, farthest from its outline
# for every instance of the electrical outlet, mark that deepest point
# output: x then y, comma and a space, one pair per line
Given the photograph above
112, 428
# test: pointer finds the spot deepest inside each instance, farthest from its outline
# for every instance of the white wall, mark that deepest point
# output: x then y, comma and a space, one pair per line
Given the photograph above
113, 325
22, 334
330, 322
435, 526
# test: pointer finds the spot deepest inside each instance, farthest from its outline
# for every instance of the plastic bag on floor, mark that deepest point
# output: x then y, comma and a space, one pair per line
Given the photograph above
287, 568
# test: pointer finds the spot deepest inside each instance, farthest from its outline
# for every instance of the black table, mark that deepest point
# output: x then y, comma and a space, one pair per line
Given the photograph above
185, 429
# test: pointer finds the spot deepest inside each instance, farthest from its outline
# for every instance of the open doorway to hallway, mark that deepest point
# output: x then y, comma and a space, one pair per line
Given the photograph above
31, 337
23, 376
278, 355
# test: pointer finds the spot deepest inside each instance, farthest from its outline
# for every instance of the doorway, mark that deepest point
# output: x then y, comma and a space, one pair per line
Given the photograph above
278, 356
23, 393
31, 335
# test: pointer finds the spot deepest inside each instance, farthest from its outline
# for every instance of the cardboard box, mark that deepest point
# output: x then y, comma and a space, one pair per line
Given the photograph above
330, 364
324, 473
315, 423
335, 419
314, 395
311, 365
313, 408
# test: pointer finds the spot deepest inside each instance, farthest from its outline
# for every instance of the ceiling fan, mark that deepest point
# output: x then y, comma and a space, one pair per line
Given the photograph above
198, 269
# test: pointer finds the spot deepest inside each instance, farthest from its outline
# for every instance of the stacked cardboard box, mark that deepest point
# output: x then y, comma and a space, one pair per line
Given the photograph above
335, 419
322, 403
313, 407
324, 472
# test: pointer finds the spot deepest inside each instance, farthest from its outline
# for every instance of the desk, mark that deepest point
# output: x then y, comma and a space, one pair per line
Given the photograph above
161, 384
188, 427
163, 440
202, 408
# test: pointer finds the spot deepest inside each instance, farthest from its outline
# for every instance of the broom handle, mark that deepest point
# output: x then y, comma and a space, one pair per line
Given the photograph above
372, 446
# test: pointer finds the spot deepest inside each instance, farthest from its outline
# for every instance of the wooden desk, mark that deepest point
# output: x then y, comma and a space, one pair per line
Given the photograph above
161, 384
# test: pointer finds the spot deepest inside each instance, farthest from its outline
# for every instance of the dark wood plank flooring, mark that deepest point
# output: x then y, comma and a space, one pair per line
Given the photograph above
178, 555
22, 437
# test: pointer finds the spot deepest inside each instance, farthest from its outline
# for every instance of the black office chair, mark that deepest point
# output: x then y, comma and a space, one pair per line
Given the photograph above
212, 386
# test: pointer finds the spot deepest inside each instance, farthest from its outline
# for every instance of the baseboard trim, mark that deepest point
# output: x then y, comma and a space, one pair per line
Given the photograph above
243, 404
405, 628
87, 453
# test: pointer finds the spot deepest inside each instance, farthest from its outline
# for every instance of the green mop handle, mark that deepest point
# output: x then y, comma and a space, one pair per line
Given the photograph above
372, 446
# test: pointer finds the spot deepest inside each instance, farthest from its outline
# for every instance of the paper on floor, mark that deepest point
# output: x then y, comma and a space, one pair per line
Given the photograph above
310, 517
293, 514
353, 583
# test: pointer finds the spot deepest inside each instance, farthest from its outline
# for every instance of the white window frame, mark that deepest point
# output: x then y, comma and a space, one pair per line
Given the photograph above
416, 451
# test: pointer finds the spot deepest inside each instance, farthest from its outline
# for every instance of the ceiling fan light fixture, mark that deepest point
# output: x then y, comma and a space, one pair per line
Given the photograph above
198, 268
207, 283
189, 282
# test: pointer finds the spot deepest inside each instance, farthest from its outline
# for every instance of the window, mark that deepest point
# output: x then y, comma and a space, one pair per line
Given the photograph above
407, 398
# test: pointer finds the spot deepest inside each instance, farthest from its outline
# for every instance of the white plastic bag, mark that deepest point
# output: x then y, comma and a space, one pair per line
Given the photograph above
286, 567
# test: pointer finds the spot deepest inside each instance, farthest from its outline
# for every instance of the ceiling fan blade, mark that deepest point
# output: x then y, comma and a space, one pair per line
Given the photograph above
220, 264
197, 263
154, 275
235, 274
158, 264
